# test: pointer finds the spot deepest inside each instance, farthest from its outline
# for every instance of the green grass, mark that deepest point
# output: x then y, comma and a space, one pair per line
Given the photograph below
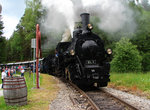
139, 80
30, 85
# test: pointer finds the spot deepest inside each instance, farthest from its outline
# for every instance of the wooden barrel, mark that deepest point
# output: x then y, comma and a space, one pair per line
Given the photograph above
15, 90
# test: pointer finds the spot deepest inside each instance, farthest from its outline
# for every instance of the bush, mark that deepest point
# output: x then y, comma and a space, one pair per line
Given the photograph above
146, 61
126, 57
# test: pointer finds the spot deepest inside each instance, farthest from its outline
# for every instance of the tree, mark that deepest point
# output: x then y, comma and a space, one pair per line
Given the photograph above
142, 37
31, 18
1, 28
28, 24
145, 4
146, 61
19, 45
2, 49
126, 57
2, 43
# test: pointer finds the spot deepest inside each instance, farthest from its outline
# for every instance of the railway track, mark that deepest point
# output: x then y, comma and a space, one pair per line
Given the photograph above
81, 99
97, 99
120, 100
107, 101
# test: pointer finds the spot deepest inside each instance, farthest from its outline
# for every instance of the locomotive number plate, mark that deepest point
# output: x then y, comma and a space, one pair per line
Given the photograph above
90, 62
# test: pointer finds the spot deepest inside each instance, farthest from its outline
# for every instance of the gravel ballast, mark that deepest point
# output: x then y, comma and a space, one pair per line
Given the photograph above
63, 101
139, 102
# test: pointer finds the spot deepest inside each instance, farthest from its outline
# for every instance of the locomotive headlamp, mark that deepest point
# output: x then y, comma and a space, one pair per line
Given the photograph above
109, 51
72, 52
90, 26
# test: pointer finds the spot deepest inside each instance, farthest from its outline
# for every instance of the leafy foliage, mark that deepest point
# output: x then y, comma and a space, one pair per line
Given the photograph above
146, 61
126, 57
2, 43
142, 37
2, 49
19, 45
1, 27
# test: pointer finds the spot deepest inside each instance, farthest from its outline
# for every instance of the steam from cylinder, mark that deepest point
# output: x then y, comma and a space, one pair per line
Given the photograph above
66, 36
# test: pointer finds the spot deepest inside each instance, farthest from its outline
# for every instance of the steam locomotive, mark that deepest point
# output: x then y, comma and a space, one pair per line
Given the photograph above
84, 61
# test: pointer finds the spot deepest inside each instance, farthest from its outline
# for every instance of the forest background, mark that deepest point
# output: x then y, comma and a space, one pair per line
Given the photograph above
18, 47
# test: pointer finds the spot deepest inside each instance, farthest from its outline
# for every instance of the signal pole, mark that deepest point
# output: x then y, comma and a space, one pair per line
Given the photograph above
38, 49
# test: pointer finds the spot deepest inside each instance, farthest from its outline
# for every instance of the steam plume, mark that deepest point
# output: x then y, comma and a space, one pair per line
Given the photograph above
114, 15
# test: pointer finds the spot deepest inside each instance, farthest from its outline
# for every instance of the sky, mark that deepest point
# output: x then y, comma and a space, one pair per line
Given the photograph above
12, 11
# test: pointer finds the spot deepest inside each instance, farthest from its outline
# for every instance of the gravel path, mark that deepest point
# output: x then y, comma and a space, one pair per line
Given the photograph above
63, 102
139, 102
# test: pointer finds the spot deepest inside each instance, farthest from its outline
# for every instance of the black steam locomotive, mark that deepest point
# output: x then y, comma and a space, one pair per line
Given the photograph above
83, 60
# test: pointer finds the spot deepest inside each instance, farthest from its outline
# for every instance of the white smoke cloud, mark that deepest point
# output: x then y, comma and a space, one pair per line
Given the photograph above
60, 14
114, 15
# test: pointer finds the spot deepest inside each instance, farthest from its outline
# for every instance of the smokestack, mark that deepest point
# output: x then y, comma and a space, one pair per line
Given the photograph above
85, 21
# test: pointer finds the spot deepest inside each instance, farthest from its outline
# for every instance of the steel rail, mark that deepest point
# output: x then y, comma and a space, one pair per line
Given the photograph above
92, 103
94, 106
121, 100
